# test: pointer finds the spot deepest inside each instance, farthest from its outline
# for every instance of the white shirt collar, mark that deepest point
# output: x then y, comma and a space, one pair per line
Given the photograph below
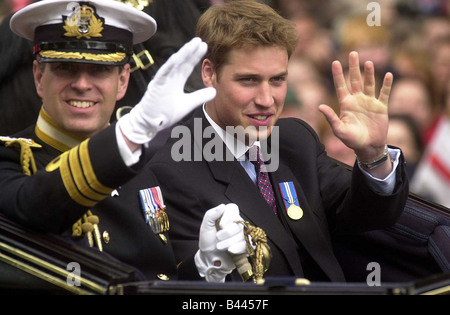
236, 147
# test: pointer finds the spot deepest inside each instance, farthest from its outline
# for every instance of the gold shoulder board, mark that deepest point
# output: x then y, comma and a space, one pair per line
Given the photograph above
29, 142
26, 154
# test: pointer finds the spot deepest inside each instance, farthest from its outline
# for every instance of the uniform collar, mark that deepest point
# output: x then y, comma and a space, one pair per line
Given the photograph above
48, 132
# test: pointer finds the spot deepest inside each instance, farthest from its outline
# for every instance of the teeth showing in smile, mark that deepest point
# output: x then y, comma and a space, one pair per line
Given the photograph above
81, 104
260, 117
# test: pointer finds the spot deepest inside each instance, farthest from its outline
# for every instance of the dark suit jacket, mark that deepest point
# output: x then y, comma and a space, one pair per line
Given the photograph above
334, 199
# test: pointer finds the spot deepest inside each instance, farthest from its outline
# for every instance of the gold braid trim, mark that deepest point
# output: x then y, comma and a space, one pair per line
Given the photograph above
26, 154
113, 57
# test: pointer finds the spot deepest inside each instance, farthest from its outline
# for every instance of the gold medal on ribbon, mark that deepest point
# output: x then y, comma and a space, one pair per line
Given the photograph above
295, 212
291, 203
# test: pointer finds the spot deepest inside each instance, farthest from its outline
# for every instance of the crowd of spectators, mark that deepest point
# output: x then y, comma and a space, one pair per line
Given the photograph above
10, 6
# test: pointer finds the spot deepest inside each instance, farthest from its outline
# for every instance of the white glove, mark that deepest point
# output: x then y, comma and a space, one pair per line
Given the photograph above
213, 258
165, 103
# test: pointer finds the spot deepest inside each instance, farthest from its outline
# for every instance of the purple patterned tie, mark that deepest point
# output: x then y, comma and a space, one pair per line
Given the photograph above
262, 177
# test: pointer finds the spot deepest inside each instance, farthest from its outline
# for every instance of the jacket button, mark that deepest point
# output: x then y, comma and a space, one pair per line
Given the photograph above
163, 277
106, 237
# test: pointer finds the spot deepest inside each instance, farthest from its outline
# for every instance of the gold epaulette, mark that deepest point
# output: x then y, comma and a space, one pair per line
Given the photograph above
26, 154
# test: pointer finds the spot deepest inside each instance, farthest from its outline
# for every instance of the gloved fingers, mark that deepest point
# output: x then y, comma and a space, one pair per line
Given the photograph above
184, 60
199, 97
207, 238
230, 215
231, 241
193, 100
212, 215
190, 53
229, 231
238, 248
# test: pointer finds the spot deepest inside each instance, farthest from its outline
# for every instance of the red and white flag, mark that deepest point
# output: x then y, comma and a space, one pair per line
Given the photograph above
432, 176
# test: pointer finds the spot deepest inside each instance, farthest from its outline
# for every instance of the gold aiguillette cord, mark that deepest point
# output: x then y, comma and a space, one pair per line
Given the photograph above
261, 256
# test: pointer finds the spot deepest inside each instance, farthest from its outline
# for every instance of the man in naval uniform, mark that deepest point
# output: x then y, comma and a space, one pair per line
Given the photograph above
72, 172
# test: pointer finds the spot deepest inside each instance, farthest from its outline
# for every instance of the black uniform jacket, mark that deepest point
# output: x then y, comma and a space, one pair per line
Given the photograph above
91, 176
333, 198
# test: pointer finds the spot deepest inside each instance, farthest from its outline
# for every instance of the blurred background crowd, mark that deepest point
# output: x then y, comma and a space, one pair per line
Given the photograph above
411, 40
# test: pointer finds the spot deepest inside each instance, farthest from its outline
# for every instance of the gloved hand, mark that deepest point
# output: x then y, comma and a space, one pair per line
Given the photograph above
165, 103
213, 259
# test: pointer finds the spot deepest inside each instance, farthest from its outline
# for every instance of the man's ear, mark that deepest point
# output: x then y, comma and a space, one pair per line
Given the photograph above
208, 73
124, 79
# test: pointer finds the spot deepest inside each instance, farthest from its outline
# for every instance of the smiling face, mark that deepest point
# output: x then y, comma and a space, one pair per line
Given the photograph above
80, 98
251, 88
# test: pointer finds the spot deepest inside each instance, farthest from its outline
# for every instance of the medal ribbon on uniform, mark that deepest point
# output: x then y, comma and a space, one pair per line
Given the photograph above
152, 204
157, 197
290, 199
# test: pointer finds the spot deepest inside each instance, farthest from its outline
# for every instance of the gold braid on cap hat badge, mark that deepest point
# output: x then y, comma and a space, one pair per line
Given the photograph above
113, 57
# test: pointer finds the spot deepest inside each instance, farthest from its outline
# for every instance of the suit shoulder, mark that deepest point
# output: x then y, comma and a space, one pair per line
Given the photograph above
291, 122
290, 125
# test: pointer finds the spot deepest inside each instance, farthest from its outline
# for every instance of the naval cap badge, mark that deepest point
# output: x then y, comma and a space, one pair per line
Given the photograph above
83, 22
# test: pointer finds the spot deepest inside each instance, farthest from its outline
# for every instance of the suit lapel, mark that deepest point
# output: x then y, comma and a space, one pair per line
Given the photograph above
242, 191
306, 229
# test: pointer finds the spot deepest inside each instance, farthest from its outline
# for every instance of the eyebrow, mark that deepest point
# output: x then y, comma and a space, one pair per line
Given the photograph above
257, 75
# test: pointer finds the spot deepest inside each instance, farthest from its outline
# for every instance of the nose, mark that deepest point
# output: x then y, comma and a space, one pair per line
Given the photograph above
264, 95
81, 81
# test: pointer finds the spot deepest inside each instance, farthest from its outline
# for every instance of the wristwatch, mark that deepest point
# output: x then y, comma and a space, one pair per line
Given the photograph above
377, 162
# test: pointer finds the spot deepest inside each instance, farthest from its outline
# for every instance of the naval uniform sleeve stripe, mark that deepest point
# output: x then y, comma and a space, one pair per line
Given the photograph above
70, 185
79, 178
89, 171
